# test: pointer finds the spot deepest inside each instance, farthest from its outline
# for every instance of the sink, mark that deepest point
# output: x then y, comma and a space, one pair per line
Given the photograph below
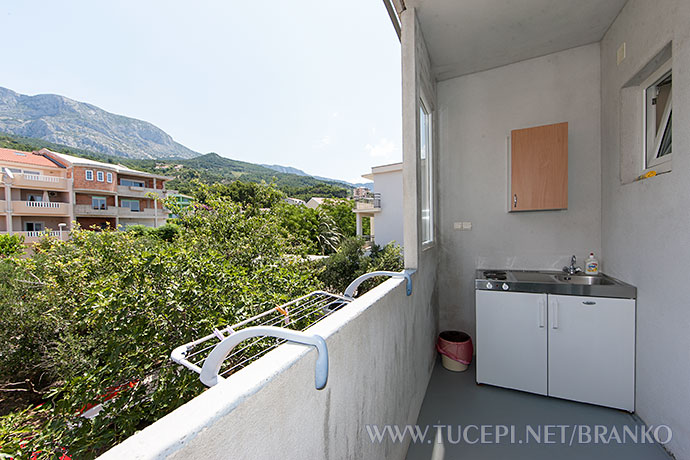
588, 280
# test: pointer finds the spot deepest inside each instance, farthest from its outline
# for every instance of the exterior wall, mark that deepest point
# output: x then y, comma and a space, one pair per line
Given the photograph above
645, 224
381, 356
477, 113
389, 221
49, 222
80, 182
83, 199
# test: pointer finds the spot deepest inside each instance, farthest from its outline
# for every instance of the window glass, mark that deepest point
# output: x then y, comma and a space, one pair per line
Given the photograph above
131, 183
33, 226
109, 178
659, 117
89, 174
34, 197
33, 173
133, 205
98, 202
426, 173
99, 176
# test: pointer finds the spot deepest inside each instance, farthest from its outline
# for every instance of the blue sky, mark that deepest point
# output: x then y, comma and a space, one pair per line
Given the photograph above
309, 84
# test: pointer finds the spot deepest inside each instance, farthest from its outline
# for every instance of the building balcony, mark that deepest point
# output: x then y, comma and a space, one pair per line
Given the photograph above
143, 213
89, 210
41, 208
381, 340
39, 182
369, 203
139, 192
35, 237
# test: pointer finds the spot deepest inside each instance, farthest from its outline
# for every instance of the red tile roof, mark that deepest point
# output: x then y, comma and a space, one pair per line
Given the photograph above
28, 158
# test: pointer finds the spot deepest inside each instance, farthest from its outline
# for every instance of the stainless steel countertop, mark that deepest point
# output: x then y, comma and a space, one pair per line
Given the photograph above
555, 282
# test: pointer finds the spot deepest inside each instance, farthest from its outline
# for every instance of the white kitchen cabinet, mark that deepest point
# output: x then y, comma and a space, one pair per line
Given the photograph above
592, 350
511, 340
570, 347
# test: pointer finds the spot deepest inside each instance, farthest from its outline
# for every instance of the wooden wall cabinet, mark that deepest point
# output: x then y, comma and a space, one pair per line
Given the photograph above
539, 168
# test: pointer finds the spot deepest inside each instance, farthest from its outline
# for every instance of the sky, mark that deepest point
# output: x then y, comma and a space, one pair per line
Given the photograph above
311, 84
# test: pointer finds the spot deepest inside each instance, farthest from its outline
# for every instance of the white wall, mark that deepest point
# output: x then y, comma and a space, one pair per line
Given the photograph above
381, 356
646, 225
477, 113
389, 222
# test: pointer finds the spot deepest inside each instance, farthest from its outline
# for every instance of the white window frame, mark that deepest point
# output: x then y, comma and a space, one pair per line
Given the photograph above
100, 177
650, 159
88, 174
109, 177
426, 113
36, 197
105, 202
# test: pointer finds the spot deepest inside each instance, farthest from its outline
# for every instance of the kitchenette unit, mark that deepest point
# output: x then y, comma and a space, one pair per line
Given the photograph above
569, 336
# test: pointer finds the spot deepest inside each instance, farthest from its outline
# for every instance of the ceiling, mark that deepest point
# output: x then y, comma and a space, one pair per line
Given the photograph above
466, 36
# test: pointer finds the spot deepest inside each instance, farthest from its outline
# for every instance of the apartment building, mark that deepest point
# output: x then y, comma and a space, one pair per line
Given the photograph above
49, 191
34, 195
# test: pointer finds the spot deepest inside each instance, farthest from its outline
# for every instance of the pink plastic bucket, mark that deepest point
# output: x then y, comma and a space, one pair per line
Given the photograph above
456, 349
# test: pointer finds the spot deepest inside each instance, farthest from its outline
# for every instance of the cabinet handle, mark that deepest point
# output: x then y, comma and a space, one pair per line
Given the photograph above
542, 313
515, 200
589, 302
554, 320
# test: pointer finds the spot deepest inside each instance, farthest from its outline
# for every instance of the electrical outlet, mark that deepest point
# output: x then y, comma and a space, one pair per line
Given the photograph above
467, 225
457, 225
620, 54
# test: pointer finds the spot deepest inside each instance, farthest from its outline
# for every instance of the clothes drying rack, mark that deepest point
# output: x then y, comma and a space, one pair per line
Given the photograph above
216, 356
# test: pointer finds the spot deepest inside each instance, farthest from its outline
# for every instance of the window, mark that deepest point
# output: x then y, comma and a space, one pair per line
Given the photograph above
32, 173
99, 176
133, 205
98, 202
131, 183
88, 174
426, 173
34, 197
109, 177
658, 96
33, 226
15, 170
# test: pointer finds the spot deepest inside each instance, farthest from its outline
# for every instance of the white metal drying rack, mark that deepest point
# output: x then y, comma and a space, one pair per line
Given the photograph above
216, 360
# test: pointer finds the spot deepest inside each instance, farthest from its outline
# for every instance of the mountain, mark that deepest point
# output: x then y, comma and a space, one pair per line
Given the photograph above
209, 169
299, 172
61, 120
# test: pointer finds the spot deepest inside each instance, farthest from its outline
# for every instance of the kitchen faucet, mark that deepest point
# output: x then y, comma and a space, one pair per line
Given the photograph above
572, 269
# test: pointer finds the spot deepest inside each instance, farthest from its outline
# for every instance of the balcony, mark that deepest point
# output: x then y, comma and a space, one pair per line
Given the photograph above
89, 210
35, 237
40, 182
138, 192
369, 203
41, 208
143, 213
380, 358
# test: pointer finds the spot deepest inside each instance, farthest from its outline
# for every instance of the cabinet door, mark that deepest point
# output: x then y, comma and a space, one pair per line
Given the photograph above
592, 350
511, 340
539, 168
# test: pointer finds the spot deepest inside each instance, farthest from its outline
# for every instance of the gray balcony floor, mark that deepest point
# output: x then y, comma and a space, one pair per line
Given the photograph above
454, 399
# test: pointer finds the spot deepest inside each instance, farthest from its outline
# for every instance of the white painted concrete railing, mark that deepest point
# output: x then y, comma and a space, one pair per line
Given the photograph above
381, 355
41, 178
42, 204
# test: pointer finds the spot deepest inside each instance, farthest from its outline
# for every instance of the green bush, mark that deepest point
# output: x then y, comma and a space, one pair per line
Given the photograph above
11, 245
106, 308
351, 261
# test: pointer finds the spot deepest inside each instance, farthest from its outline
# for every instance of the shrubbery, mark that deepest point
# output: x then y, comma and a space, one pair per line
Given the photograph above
97, 316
